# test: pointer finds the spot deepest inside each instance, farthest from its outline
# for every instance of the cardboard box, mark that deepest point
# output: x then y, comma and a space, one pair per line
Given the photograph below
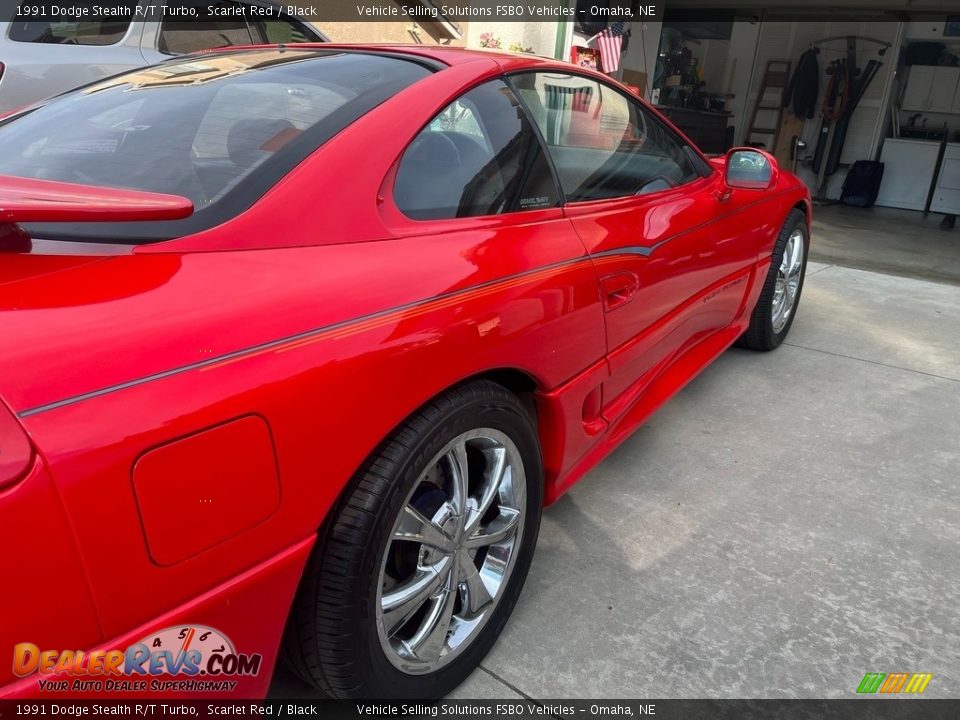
636, 79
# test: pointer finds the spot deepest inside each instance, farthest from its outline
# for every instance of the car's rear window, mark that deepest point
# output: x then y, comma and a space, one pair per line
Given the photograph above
107, 32
219, 129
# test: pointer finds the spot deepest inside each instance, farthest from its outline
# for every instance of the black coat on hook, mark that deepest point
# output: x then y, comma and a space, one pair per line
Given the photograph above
803, 89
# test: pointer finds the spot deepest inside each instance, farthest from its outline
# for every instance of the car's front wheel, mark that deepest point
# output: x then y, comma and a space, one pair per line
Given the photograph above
422, 561
780, 296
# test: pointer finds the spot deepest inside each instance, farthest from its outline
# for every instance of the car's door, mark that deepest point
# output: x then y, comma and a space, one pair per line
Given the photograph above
656, 218
475, 184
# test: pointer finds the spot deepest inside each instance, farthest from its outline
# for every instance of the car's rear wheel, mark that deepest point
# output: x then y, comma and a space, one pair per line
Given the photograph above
777, 305
421, 563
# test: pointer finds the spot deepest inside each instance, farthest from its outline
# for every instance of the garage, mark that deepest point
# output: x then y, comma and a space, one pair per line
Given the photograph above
778, 77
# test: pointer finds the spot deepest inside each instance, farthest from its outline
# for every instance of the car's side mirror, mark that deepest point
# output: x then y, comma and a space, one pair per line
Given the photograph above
751, 169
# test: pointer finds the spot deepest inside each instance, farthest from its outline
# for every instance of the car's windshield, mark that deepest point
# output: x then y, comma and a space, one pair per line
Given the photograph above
218, 129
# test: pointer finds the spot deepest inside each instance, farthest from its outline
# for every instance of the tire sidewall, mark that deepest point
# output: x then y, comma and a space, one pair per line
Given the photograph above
386, 680
794, 221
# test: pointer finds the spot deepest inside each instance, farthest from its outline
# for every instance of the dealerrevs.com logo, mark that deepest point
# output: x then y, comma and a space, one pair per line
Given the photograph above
191, 658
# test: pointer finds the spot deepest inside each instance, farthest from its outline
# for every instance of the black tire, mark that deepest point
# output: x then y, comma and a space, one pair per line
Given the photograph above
332, 639
760, 335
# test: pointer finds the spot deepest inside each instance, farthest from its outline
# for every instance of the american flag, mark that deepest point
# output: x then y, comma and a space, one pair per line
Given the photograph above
609, 43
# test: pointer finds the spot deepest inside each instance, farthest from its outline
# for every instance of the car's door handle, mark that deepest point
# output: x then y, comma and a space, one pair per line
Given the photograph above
723, 194
618, 289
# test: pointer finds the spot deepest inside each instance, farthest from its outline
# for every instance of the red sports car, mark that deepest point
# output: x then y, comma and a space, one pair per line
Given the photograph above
298, 342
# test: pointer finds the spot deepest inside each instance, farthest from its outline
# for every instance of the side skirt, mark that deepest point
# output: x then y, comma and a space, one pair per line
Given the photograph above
666, 383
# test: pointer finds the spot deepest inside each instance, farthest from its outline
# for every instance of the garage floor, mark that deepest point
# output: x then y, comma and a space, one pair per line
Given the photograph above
787, 523
901, 242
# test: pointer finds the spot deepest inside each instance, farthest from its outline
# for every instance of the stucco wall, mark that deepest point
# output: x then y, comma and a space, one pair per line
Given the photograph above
541, 38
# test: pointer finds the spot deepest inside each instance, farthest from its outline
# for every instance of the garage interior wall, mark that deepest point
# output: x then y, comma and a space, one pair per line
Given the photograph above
728, 67
787, 41
736, 66
930, 29
641, 53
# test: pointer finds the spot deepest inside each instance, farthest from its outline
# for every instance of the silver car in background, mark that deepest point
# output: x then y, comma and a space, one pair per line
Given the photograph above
40, 58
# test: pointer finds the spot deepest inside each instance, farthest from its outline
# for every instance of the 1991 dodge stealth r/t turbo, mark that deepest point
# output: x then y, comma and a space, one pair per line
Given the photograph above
298, 342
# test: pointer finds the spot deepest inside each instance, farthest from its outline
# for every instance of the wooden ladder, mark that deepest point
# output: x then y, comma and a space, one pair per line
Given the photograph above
775, 77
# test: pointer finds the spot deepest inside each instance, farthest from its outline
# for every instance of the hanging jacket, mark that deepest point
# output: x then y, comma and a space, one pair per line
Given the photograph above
804, 86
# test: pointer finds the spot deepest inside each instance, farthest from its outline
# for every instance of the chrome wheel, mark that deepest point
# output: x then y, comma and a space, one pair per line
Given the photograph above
451, 551
788, 280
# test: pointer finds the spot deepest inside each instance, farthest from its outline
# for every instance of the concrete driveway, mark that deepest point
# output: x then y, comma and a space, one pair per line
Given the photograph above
789, 522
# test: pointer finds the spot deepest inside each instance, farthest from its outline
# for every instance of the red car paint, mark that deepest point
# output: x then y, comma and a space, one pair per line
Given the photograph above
309, 331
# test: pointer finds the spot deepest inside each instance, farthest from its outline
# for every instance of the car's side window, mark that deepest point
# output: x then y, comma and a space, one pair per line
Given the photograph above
181, 36
479, 156
285, 30
603, 144
107, 32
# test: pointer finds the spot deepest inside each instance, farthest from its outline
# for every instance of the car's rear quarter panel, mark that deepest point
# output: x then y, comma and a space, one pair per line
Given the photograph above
388, 326
46, 593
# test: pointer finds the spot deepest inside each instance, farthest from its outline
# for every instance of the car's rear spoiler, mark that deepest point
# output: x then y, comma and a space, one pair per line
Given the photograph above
25, 200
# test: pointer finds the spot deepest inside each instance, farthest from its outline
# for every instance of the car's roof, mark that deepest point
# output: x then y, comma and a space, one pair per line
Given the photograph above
439, 53
450, 55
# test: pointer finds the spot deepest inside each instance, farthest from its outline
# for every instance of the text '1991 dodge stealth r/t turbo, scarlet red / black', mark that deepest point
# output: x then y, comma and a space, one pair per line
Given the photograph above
298, 342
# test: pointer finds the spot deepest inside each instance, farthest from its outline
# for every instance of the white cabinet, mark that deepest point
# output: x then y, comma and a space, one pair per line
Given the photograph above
931, 89
919, 82
946, 194
944, 89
